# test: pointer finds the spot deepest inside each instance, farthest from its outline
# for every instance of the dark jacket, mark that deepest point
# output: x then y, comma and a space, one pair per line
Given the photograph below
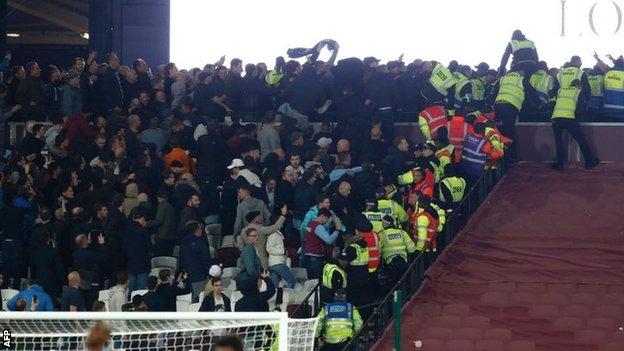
167, 294
151, 300
394, 162
71, 100
195, 258
136, 243
208, 304
30, 95
306, 194
47, 269
212, 153
165, 223
111, 91
201, 98
90, 263
253, 300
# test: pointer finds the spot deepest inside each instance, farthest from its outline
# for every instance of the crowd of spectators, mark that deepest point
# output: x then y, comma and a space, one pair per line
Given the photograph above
120, 164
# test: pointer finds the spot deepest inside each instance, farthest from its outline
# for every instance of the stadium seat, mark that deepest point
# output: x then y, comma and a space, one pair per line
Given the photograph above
468, 333
591, 336
310, 284
138, 292
477, 322
165, 261
228, 241
236, 295
521, 346
102, 295
603, 323
213, 251
436, 333
495, 298
213, 241
176, 251
611, 311
230, 272
544, 311
489, 345
553, 298
501, 334
446, 321
194, 307
523, 298
585, 299
576, 311
300, 273
460, 345
568, 324
7, 294
155, 271
456, 310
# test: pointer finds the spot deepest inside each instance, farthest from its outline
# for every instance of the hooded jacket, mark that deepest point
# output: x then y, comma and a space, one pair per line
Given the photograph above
253, 300
130, 202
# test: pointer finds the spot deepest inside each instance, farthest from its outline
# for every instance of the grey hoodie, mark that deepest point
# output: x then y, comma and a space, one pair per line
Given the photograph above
246, 206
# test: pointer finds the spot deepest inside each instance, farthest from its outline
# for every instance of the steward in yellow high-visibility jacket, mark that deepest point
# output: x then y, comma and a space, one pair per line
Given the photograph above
396, 248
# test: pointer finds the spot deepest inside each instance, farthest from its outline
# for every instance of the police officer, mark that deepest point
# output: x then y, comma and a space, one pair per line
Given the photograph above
339, 322
373, 215
396, 246
451, 188
390, 207
333, 278
564, 118
356, 253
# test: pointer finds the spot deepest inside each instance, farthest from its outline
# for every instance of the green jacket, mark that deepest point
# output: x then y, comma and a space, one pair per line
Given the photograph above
249, 263
164, 224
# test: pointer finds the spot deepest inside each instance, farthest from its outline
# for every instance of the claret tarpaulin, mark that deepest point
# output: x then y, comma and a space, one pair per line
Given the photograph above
541, 262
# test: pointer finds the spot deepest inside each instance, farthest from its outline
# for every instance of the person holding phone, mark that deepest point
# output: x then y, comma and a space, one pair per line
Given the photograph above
36, 299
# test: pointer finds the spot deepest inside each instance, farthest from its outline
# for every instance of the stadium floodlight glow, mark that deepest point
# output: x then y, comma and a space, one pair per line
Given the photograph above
13, 35
85, 35
559, 29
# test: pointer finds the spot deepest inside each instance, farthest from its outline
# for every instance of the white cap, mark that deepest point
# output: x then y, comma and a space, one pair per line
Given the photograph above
324, 142
214, 271
237, 162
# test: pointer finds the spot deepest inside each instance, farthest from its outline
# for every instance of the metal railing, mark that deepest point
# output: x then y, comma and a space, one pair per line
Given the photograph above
410, 282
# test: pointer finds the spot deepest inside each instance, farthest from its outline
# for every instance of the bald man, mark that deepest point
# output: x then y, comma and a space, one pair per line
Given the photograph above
342, 203
72, 299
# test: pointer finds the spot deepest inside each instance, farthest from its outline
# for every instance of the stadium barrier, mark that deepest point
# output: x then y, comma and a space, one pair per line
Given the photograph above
411, 281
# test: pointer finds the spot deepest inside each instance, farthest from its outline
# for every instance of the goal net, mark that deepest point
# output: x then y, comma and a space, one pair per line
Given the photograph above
151, 331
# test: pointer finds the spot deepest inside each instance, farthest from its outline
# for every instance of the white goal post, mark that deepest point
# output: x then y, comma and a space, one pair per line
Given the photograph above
156, 331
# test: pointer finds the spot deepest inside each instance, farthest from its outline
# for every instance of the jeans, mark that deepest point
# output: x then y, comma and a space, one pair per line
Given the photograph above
137, 282
282, 271
314, 266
